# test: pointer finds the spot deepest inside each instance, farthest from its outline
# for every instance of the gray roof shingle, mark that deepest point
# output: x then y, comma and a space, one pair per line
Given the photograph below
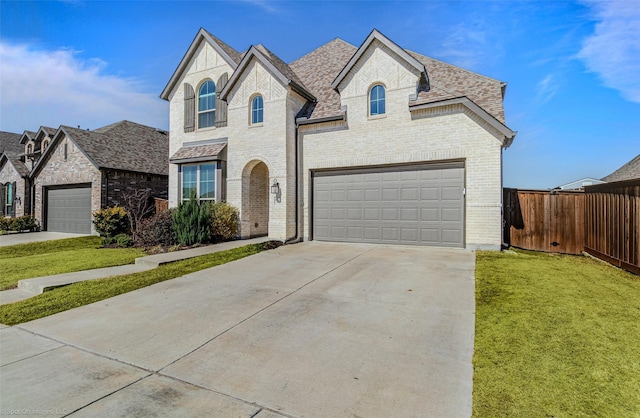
318, 69
629, 171
10, 146
197, 152
126, 146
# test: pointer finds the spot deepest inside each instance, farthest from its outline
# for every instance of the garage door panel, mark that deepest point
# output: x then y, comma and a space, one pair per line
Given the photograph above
69, 210
420, 205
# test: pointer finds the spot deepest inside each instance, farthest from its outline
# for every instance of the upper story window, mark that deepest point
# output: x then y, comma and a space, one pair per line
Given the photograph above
45, 144
30, 149
257, 110
377, 105
207, 105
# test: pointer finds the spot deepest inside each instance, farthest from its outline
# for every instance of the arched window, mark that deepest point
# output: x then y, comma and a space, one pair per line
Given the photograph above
377, 100
30, 149
45, 144
257, 110
207, 105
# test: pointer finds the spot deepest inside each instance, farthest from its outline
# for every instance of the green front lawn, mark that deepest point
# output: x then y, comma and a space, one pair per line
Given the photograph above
556, 336
38, 259
84, 293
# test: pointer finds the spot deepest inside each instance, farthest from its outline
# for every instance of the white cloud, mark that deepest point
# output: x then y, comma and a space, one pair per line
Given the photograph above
547, 88
613, 51
52, 88
465, 44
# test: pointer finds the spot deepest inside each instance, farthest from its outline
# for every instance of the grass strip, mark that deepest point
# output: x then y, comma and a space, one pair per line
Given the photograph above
26, 261
47, 247
555, 336
84, 293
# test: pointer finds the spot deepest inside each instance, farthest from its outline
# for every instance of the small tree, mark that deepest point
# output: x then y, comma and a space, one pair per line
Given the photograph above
192, 222
138, 205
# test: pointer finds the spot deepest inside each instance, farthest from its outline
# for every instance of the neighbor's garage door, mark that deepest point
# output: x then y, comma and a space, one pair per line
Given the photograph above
419, 205
69, 210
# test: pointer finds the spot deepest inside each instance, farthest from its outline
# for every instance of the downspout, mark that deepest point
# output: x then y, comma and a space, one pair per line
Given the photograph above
295, 237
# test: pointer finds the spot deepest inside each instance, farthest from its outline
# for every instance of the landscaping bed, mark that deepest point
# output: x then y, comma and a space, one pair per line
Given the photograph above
556, 335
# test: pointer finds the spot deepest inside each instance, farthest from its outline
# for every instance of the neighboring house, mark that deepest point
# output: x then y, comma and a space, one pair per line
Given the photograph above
81, 171
579, 184
357, 144
14, 176
629, 171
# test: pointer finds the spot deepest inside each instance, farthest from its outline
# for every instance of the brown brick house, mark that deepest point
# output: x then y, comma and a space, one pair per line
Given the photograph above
72, 172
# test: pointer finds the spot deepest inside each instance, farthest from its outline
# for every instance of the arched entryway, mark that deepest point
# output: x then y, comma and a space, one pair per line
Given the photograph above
255, 199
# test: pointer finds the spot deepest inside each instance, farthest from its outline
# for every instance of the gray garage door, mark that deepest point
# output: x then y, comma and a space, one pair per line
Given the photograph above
69, 210
419, 205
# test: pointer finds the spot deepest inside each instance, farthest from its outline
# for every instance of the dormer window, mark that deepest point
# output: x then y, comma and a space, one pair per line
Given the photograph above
45, 144
257, 110
207, 105
377, 105
30, 149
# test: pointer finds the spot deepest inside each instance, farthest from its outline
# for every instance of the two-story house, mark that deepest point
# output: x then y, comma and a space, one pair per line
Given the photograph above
356, 144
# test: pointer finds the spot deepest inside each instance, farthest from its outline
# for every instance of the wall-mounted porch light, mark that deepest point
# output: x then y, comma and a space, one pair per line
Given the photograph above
275, 187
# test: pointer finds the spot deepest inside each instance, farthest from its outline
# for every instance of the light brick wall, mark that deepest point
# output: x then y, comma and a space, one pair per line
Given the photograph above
268, 143
9, 174
401, 136
57, 172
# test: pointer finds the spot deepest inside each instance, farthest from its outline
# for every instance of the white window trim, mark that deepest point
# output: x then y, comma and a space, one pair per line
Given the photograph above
377, 115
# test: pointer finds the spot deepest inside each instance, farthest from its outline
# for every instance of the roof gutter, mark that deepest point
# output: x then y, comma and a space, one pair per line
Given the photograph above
307, 121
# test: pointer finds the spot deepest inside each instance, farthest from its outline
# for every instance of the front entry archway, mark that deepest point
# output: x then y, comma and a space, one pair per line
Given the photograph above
255, 199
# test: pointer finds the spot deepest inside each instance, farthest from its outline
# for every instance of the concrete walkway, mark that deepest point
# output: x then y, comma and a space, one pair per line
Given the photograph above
305, 330
31, 287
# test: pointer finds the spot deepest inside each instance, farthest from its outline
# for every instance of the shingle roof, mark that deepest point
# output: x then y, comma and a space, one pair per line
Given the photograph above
448, 81
126, 146
11, 147
10, 142
630, 170
318, 69
198, 151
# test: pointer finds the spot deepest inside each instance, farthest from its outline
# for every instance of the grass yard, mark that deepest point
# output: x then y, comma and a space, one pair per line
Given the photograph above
556, 336
26, 261
84, 293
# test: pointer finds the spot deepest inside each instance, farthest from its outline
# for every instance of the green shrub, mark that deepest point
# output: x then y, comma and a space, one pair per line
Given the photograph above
224, 221
111, 221
4, 223
157, 230
25, 223
192, 222
123, 240
21, 223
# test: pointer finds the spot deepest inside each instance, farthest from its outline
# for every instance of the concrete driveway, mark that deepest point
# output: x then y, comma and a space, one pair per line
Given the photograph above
309, 330
25, 237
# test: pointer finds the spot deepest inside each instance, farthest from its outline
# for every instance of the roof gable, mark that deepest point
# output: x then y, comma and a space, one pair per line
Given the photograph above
230, 55
375, 35
10, 141
278, 68
14, 160
123, 145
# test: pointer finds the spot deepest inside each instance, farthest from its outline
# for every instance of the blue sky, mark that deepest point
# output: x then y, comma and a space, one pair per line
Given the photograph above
572, 68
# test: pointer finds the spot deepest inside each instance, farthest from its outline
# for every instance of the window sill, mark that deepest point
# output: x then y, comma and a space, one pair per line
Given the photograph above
255, 125
375, 117
209, 128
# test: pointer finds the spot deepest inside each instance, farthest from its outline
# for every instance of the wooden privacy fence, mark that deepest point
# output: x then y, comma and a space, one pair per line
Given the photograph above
612, 223
542, 220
